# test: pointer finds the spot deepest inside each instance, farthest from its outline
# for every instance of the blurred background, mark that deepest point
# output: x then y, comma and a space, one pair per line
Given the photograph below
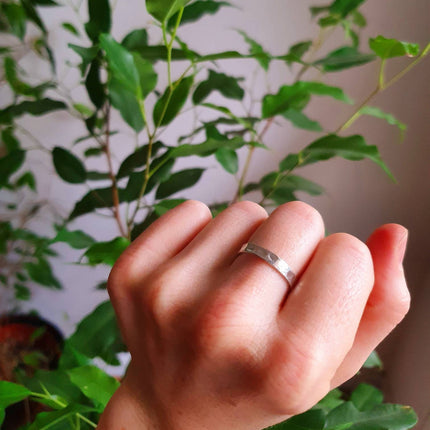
358, 198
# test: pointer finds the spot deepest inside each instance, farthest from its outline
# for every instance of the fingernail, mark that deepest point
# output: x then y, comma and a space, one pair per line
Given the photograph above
401, 247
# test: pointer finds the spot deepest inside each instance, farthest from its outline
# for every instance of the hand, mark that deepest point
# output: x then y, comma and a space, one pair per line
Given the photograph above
215, 341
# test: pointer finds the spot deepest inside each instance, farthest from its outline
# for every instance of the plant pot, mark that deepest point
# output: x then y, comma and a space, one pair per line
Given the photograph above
27, 343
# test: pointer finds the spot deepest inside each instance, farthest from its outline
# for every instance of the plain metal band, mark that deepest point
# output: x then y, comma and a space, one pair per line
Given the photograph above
269, 257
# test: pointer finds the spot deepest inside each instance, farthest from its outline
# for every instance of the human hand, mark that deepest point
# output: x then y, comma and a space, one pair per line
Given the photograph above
215, 341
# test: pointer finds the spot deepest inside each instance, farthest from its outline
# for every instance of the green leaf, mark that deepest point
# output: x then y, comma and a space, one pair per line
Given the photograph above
71, 358
121, 63
32, 14
197, 10
100, 18
94, 383
164, 206
59, 419
300, 120
77, 239
88, 55
68, 166
127, 104
11, 393
27, 179
297, 51
365, 397
343, 58
256, 49
34, 107
68, 26
22, 292
85, 111
344, 7
93, 152
162, 10
378, 113
93, 175
297, 96
228, 159
106, 252
394, 417
147, 76
228, 86
310, 420
135, 40
16, 18
9, 164
137, 159
349, 147
88, 341
178, 182
332, 400
9, 140
373, 361
170, 103
41, 273
94, 199
389, 48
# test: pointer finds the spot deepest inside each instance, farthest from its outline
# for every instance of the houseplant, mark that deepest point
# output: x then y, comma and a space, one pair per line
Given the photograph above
121, 76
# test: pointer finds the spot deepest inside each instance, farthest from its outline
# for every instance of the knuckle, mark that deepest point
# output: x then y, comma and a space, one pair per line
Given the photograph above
399, 306
249, 209
305, 211
198, 207
352, 248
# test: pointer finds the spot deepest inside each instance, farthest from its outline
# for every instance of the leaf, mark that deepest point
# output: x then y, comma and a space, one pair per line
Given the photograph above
85, 111
88, 341
22, 292
373, 361
121, 63
94, 383
41, 273
93, 152
77, 239
68, 26
58, 420
310, 420
228, 86
344, 7
100, 18
32, 14
141, 227
178, 182
256, 49
170, 103
68, 166
228, 159
300, 120
127, 104
297, 51
16, 18
394, 417
106, 252
9, 140
332, 400
9, 164
87, 55
389, 48
343, 58
162, 10
11, 393
378, 113
137, 159
349, 147
34, 107
27, 179
94, 199
71, 358
135, 39
197, 10
147, 76
365, 397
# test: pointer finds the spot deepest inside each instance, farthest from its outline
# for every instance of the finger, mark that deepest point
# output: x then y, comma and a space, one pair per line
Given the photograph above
158, 243
254, 290
320, 318
388, 302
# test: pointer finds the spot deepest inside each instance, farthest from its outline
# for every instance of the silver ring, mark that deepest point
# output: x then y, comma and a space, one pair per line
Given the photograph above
269, 257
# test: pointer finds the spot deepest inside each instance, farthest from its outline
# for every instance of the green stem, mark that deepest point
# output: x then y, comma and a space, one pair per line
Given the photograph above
382, 87
89, 422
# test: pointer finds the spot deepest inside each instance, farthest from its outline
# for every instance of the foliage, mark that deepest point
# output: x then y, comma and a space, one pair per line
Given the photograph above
123, 76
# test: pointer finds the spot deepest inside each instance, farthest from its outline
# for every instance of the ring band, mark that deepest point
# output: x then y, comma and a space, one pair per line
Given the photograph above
269, 257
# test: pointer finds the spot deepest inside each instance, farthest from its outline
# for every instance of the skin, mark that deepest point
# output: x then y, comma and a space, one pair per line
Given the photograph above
216, 341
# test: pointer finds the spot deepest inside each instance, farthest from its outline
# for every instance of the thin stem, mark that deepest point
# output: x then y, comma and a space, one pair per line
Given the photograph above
89, 422
115, 195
